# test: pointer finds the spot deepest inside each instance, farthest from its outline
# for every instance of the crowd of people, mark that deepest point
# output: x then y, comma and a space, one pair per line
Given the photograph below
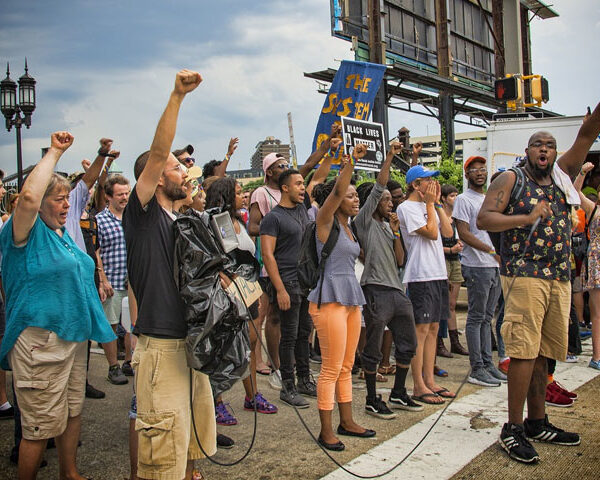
88, 258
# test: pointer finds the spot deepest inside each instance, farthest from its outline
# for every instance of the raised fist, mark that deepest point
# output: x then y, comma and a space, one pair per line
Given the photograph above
336, 130
360, 150
335, 143
114, 154
61, 141
396, 147
85, 163
417, 147
186, 81
587, 167
105, 144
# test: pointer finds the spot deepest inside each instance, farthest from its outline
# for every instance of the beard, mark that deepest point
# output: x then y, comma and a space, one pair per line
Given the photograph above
537, 171
173, 191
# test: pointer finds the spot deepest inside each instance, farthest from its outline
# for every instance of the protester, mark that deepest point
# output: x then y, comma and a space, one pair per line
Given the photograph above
422, 218
386, 304
52, 305
112, 269
537, 273
280, 237
227, 194
167, 440
216, 168
480, 270
335, 307
452, 248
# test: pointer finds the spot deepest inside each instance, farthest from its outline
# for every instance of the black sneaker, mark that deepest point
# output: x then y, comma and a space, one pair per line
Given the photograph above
307, 386
404, 402
223, 441
91, 392
290, 395
115, 375
126, 369
512, 439
7, 413
377, 407
543, 431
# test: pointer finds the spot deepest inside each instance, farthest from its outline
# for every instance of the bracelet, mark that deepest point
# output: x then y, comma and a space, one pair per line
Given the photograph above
226, 157
328, 154
396, 234
103, 154
492, 252
438, 205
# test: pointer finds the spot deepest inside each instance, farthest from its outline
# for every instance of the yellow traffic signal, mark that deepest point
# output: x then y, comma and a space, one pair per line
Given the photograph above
539, 89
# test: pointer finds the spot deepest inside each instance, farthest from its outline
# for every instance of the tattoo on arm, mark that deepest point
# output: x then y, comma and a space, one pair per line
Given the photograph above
499, 198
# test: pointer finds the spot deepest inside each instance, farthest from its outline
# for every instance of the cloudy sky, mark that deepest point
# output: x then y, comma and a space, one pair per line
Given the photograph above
105, 68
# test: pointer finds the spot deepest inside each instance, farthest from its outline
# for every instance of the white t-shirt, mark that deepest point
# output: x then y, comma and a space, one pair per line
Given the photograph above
425, 257
466, 209
244, 240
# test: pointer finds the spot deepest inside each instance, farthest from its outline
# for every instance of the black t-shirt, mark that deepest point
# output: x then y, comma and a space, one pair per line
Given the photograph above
150, 240
288, 225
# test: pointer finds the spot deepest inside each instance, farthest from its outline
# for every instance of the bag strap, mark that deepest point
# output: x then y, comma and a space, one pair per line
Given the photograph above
519, 185
327, 249
586, 231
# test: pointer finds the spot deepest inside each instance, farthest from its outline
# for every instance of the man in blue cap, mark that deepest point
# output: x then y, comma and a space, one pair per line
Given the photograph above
421, 220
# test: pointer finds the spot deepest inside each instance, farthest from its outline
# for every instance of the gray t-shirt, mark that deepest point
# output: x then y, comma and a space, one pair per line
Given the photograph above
466, 209
377, 241
287, 225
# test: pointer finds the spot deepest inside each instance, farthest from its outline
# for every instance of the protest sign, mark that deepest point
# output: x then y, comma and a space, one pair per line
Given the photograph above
368, 133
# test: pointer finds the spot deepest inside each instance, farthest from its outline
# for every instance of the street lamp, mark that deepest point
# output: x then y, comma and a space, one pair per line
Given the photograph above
12, 111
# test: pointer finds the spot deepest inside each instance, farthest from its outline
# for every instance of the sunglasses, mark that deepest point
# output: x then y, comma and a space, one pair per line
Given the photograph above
282, 166
191, 160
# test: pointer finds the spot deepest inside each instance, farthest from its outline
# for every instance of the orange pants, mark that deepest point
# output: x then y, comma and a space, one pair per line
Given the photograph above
338, 328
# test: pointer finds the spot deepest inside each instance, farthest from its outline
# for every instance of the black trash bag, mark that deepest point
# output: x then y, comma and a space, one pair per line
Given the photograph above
217, 342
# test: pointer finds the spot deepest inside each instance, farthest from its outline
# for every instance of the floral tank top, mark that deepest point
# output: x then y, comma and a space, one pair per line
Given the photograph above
549, 249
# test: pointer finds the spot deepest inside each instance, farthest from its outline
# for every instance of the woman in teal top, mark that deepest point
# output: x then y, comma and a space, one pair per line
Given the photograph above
52, 309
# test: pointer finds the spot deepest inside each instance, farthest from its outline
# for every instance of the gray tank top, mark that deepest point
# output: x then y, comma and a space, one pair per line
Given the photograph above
339, 281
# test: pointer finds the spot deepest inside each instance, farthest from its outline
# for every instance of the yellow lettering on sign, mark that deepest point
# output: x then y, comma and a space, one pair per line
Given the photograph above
346, 109
349, 79
358, 83
333, 103
361, 110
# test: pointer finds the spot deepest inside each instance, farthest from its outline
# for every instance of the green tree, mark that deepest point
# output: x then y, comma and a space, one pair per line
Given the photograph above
450, 170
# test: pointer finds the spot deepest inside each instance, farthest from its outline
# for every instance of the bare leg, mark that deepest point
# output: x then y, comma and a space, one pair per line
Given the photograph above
128, 347
595, 318
263, 305
31, 453
326, 428
453, 298
416, 363
519, 380
66, 444
250, 386
133, 449
536, 395
189, 469
3, 397
386, 348
579, 303
346, 419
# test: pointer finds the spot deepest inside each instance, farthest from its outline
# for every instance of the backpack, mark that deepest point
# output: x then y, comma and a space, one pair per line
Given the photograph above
519, 186
310, 267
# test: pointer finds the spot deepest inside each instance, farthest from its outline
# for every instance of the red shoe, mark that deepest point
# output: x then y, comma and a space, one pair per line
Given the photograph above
503, 366
559, 388
556, 398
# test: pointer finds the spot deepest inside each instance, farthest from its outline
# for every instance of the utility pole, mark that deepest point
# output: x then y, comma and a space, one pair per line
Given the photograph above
445, 98
292, 143
377, 55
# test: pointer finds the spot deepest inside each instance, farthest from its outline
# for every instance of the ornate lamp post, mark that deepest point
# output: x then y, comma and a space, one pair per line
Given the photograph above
12, 110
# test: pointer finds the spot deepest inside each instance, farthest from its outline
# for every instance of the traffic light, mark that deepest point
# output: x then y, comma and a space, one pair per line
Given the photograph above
539, 89
508, 88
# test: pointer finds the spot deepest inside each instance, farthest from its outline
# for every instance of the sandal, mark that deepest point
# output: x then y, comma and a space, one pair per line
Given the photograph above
223, 416
387, 370
440, 372
428, 398
378, 377
263, 371
444, 393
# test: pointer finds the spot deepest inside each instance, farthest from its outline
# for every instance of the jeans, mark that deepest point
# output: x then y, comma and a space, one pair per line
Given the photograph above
499, 322
483, 289
295, 326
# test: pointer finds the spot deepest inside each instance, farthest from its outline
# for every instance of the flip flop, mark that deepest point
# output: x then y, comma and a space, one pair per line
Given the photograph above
389, 370
264, 371
440, 372
445, 393
426, 398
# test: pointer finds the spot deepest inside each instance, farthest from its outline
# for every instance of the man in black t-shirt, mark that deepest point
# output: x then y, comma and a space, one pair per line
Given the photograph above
281, 233
167, 443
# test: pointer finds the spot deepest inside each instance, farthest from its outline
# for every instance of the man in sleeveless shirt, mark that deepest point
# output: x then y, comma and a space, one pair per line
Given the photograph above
535, 279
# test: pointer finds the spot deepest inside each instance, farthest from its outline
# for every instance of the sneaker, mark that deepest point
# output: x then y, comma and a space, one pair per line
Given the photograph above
594, 364
275, 380
480, 376
7, 413
115, 375
495, 373
314, 357
126, 369
571, 358
404, 402
91, 392
262, 405
223, 441
543, 431
503, 365
223, 416
557, 386
291, 396
584, 334
377, 407
307, 386
556, 398
512, 439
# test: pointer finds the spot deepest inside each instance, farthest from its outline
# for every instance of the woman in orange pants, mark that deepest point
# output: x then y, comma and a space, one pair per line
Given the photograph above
335, 307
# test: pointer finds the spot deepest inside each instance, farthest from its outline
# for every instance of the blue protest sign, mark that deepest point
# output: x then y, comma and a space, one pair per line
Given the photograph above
352, 94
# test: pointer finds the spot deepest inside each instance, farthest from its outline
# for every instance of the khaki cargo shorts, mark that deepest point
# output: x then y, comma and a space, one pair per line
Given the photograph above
536, 317
164, 419
49, 378
454, 270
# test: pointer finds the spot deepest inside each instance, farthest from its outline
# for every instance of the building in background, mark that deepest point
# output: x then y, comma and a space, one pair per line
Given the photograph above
432, 145
266, 146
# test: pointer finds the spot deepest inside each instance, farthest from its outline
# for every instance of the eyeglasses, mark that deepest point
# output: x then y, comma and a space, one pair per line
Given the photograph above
477, 170
178, 167
191, 160
282, 166
550, 144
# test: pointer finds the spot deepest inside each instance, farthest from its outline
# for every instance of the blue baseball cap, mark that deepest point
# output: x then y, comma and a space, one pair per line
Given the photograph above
419, 171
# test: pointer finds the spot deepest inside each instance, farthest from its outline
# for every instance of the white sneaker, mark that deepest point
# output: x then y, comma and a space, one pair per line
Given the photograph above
571, 359
275, 380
